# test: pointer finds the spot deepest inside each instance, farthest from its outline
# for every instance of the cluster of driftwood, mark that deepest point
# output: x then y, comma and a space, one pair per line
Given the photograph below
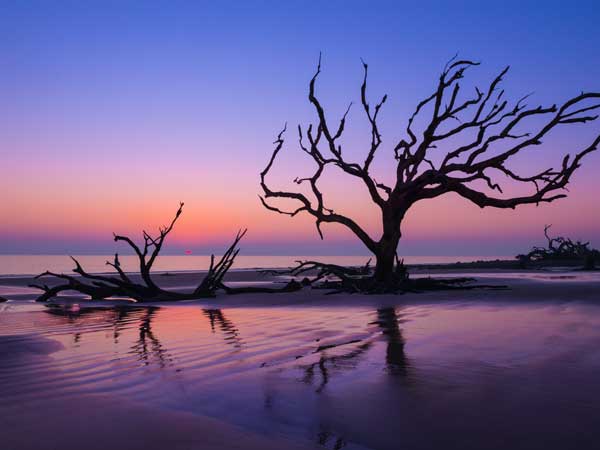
122, 285
339, 279
142, 287
561, 250
334, 278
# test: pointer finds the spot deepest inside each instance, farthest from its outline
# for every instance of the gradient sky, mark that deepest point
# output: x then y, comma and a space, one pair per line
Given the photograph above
112, 112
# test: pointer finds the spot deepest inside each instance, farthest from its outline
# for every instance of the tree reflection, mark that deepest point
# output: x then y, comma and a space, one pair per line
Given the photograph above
120, 319
388, 320
388, 323
230, 332
81, 318
148, 347
330, 363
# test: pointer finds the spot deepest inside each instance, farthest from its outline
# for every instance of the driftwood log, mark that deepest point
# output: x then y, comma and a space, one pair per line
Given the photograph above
341, 279
121, 284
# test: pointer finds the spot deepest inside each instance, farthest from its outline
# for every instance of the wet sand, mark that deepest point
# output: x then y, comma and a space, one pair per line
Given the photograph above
100, 422
514, 368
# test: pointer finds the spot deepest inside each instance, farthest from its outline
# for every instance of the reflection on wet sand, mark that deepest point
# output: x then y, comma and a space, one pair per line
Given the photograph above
331, 357
148, 347
117, 318
381, 325
328, 363
120, 319
229, 330
388, 323
333, 375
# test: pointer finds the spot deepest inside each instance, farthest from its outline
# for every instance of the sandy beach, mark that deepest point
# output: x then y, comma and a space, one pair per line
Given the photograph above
459, 369
560, 284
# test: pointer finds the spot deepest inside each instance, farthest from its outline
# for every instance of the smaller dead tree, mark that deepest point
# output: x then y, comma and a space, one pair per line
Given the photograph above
99, 286
561, 250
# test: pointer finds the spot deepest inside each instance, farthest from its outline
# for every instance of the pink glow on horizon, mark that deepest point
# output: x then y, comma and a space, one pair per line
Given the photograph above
82, 200
93, 211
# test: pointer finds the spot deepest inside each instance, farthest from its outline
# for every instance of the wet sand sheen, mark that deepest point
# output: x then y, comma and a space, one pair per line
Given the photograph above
454, 374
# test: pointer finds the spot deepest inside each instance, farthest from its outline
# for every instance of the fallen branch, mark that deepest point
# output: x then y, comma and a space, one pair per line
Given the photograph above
121, 285
340, 279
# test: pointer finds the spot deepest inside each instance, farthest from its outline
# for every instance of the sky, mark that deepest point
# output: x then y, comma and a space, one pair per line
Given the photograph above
113, 112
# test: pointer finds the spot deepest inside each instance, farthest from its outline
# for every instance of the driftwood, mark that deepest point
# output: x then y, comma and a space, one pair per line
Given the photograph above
318, 275
340, 279
121, 285
561, 250
428, 163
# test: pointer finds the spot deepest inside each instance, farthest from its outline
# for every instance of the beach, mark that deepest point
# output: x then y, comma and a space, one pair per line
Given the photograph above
290, 226
481, 368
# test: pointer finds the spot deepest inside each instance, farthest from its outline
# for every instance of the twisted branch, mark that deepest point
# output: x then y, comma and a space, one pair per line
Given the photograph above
103, 286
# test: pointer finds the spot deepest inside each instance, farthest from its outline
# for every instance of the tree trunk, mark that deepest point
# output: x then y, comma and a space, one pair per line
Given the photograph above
385, 255
385, 258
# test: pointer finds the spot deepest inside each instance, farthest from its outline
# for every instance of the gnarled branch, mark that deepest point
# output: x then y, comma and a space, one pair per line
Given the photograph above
103, 286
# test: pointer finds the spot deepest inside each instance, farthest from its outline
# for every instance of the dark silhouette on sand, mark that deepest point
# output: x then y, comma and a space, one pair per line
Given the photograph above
561, 250
428, 161
102, 286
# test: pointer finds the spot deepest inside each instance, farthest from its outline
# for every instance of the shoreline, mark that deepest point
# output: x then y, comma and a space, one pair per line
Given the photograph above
199, 263
484, 265
524, 285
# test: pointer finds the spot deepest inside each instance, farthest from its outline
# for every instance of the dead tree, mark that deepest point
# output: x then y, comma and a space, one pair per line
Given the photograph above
428, 162
560, 250
99, 286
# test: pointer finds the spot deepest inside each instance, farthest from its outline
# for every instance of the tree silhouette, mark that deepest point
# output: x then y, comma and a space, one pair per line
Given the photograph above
428, 162
99, 286
562, 250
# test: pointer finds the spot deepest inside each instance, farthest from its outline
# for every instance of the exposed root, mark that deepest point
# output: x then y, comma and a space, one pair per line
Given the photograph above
339, 279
